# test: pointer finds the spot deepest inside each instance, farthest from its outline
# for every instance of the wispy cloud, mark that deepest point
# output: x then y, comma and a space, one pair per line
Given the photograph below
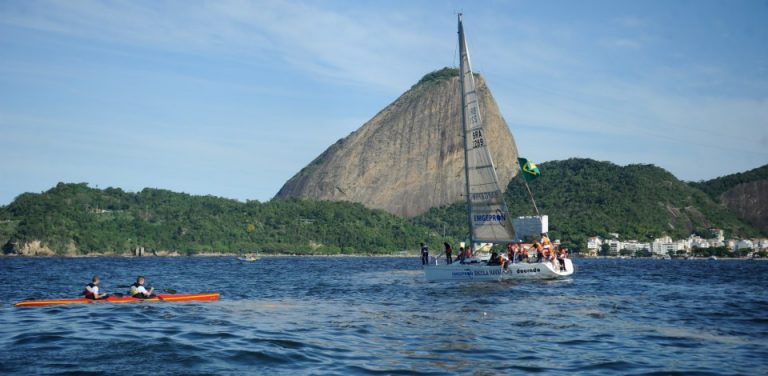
601, 85
631, 22
346, 47
622, 43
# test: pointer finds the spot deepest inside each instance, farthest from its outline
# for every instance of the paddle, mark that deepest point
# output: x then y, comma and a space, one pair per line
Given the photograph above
167, 291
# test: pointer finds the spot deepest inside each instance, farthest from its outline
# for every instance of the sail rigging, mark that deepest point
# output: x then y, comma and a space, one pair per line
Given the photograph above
489, 219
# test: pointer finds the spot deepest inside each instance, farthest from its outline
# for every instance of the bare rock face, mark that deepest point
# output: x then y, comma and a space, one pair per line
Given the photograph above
35, 248
750, 202
409, 157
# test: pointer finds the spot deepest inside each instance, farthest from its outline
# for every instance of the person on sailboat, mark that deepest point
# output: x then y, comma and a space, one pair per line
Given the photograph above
448, 253
549, 250
539, 251
424, 254
561, 256
545, 243
522, 253
512, 252
494, 260
503, 260
467, 255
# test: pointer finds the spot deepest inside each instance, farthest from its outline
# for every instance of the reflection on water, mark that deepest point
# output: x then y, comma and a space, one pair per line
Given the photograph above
370, 315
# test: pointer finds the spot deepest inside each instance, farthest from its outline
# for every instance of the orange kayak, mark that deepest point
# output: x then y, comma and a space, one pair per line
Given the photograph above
203, 296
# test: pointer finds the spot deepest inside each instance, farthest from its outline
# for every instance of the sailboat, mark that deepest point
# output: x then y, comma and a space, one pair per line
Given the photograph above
249, 258
488, 214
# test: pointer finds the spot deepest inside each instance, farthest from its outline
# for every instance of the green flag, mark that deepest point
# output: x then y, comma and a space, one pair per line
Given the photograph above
530, 170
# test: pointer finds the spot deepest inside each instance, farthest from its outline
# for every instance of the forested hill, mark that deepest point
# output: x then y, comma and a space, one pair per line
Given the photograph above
584, 198
716, 187
75, 219
745, 194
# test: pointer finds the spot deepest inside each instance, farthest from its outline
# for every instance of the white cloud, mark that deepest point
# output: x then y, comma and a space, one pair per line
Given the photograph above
352, 48
552, 82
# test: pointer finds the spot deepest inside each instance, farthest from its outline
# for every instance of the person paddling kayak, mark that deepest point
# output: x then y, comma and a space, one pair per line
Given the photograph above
92, 290
138, 290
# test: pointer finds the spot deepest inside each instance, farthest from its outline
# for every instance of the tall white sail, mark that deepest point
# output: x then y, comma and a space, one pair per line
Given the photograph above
489, 219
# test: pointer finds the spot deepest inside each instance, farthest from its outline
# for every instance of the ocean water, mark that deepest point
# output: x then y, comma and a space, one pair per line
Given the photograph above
377, 316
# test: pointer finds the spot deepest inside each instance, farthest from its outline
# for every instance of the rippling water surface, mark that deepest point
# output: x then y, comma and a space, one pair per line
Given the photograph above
377, 315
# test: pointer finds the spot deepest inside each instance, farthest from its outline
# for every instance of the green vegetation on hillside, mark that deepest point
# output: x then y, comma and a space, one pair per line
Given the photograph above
715, 187
584, 198
76, 217
438, 75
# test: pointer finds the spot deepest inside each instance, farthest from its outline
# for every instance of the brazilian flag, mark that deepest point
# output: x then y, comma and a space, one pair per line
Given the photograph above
530, 170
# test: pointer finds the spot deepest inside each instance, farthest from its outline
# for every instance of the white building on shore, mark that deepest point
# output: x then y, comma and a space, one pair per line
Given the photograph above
665, 246
744, 244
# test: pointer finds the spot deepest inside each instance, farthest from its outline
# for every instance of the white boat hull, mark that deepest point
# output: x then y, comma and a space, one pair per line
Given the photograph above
484, 272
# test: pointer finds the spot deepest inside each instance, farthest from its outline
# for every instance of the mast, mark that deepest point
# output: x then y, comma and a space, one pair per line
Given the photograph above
462, 51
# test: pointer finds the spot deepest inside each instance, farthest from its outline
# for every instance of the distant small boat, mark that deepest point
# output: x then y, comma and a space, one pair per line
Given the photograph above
248, 258
712, 258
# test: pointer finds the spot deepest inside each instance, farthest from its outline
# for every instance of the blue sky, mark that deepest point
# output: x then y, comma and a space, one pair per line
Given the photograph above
232, 98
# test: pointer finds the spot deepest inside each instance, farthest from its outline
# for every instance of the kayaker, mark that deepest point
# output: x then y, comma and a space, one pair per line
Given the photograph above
92, 289
138, 290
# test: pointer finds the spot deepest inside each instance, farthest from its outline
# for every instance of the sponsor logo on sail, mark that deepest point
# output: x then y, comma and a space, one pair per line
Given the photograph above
485, 196
497, 217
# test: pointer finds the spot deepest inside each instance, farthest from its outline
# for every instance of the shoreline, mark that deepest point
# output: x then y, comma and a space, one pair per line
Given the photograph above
672, 259
415, 255
206, 255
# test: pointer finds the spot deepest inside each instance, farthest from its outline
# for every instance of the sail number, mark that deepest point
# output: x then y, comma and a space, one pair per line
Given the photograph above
474, 121
474, 117
477, 138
